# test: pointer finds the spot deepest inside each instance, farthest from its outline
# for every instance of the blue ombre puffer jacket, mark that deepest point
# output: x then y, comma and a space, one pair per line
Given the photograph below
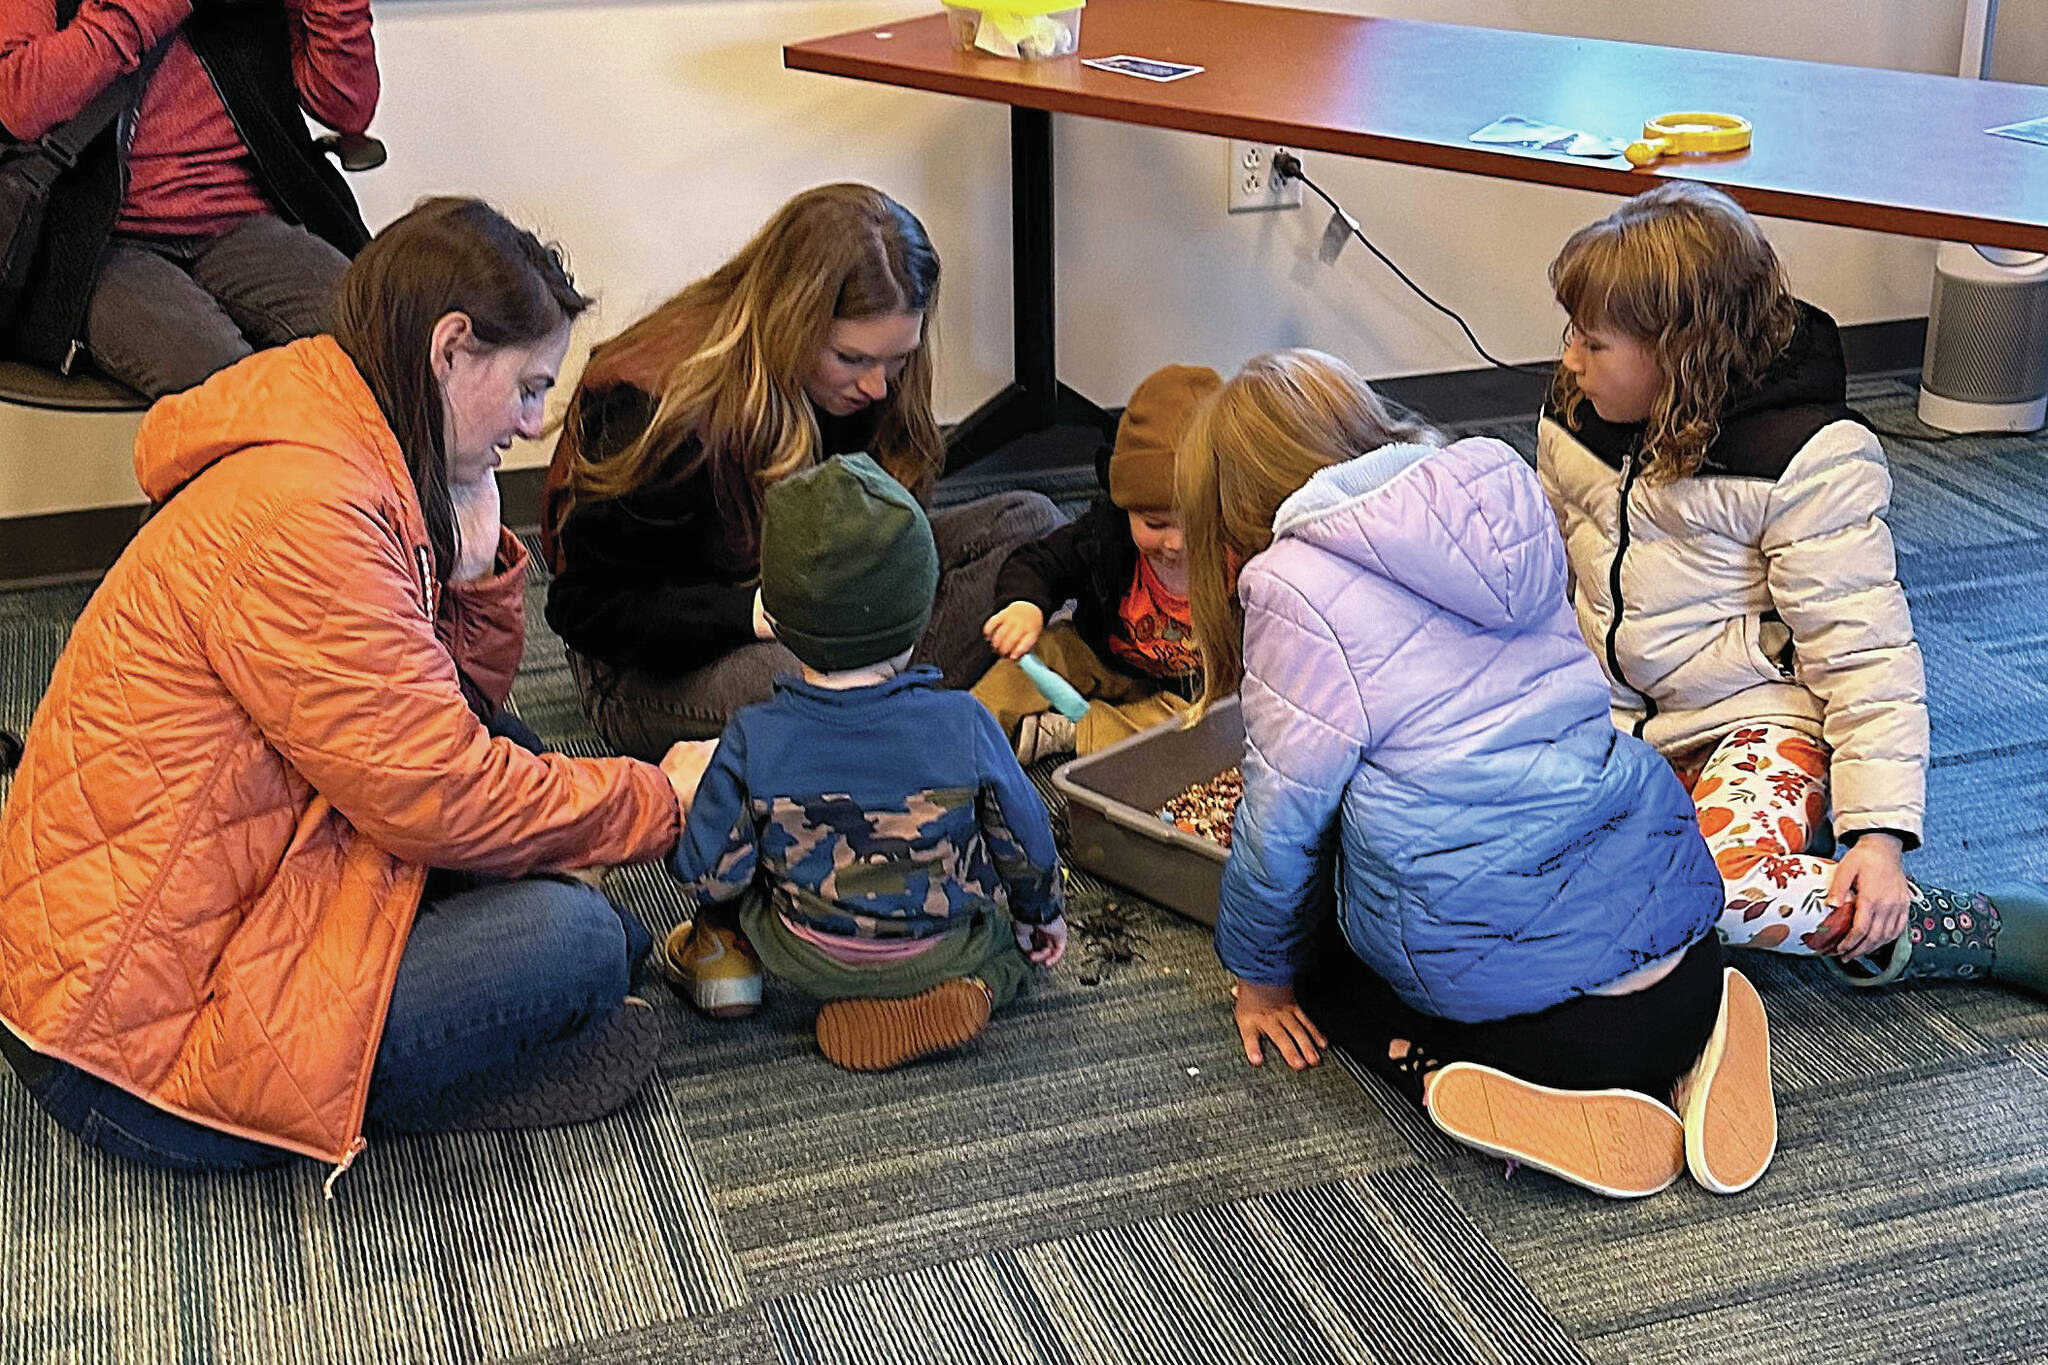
1424, 723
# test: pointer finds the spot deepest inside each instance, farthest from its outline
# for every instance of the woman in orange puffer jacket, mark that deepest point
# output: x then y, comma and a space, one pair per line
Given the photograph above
271, 720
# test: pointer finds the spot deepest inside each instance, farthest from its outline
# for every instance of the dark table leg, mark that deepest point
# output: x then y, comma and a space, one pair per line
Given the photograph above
1035, 399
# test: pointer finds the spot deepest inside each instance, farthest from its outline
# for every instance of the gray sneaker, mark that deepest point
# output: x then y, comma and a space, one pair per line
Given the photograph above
1045, 734
585, 1076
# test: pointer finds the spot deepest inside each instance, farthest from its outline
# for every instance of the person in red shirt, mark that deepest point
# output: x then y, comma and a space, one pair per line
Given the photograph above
205, 223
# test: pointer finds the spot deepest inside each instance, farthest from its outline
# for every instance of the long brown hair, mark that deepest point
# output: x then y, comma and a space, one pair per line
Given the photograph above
1260, 437
1683, 269
449, 255
727, 358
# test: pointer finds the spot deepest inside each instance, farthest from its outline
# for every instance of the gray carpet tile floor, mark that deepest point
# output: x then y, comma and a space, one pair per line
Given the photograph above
1102, 1179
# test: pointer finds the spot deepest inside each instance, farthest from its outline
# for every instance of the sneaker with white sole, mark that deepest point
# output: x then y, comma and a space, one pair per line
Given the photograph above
1725, 1101
714, 967
1044, 734
1619, 1143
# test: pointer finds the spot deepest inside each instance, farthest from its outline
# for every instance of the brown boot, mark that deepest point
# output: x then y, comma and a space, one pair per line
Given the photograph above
878, 1035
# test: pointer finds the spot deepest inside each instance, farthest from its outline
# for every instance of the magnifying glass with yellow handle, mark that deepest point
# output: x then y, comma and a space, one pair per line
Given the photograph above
1688, 134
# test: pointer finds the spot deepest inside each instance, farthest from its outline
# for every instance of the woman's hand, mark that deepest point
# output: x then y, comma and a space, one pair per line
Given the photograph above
684, 766
1012, 631
1270, 1012
1044, 944
1871, 876
477, 528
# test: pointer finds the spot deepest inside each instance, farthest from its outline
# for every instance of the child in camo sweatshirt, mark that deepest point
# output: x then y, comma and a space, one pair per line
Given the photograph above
886, 853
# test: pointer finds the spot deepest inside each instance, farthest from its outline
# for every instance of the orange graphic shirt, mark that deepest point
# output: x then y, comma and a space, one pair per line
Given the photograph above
1154, 632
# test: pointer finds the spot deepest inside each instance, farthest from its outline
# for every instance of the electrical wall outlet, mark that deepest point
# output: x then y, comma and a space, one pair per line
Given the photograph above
1251, 179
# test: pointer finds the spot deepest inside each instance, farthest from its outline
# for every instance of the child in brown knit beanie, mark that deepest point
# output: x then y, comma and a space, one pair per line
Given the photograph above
1129, 648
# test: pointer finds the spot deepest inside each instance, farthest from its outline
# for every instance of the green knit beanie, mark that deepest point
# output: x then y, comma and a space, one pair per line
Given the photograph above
848, 566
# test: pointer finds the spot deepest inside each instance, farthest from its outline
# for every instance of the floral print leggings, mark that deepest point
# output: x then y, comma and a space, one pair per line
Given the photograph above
1762, 795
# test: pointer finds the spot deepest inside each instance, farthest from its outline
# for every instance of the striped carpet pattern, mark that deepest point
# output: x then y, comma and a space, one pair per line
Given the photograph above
1102, 1178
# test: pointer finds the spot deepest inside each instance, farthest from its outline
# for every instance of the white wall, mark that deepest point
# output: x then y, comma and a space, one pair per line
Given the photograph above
60, 463
652, 136
651, 139
1165, 275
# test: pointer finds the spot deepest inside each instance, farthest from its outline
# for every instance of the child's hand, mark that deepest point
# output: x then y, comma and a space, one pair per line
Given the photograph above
1270, 1012
1871, 876
684, 766
1012, 631
1044, 944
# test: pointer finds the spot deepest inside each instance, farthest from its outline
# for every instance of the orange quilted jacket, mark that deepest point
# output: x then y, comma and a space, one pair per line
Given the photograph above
252, 748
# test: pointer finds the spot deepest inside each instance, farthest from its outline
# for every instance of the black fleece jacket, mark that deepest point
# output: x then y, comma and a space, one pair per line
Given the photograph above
646, 581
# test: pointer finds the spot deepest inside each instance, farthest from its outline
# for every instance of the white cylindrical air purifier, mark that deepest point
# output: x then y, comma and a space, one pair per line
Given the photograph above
1986, 367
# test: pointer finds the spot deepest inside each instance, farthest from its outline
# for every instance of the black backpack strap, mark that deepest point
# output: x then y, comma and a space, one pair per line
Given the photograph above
67, 140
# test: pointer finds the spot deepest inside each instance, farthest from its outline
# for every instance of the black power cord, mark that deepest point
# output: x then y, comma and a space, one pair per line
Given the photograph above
1287, 166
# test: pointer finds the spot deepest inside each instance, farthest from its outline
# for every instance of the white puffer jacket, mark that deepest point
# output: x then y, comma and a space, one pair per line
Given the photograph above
1763, 587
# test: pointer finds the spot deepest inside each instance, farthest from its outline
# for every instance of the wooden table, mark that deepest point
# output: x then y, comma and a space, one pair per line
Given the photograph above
1410, 92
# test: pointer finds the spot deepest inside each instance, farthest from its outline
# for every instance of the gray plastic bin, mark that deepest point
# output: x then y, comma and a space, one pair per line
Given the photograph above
1113, 801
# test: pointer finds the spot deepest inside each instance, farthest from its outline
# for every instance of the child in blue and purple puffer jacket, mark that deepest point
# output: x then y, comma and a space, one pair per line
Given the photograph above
1488, 892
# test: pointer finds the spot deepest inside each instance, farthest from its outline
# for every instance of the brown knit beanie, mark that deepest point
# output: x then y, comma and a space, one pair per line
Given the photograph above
1141, 467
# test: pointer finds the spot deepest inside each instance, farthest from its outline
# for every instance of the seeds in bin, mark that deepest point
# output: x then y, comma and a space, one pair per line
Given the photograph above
1207, 808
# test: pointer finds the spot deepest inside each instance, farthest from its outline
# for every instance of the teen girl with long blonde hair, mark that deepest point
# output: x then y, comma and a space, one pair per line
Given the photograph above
812, 341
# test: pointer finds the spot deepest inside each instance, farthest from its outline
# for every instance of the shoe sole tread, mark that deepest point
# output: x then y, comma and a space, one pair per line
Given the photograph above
1731, 1121
880, 1035
1613, 1142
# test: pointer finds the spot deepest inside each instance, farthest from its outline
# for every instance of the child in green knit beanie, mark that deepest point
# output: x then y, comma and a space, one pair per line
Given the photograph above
881, 848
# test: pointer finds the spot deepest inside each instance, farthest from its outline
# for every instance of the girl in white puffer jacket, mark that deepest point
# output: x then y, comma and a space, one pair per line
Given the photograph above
1723, 514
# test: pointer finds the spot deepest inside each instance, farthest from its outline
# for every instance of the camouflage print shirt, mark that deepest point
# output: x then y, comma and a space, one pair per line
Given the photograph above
894, 810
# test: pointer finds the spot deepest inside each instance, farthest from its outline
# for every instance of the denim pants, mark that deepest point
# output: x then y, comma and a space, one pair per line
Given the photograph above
495, 976
169, 311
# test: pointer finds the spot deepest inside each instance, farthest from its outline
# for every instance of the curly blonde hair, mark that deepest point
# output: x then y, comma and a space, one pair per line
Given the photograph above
1685, 270
1256, 440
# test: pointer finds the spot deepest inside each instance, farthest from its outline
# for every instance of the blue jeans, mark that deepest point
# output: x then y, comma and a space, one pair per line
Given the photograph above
492, 980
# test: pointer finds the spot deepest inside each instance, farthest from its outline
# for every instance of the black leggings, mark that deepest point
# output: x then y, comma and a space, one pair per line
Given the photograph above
1641, 1041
